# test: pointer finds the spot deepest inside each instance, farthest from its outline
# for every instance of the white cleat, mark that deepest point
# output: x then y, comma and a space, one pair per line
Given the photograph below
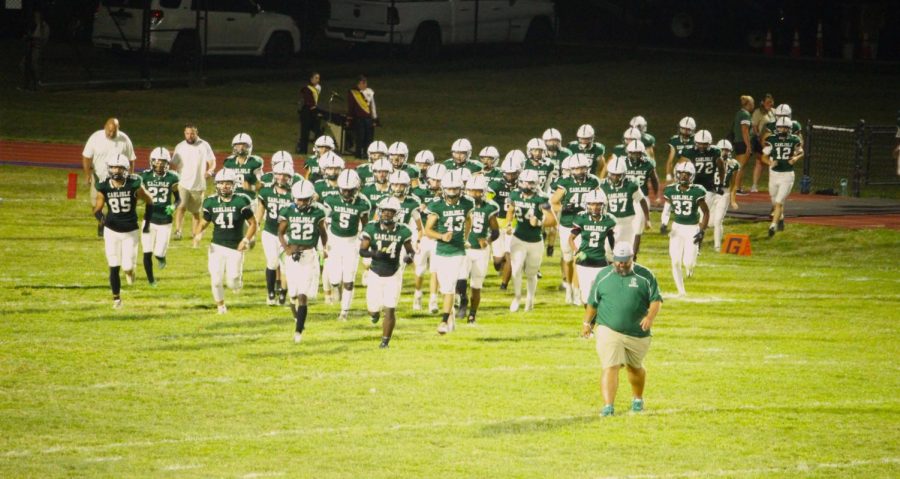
129, 277
451, 322
529, 304
271, 301
417, 303
432, 306
569, 299
222, 309
344, 315
576, 298
443, 328
328, 299
514, 306
117, 304
689, 273
298, 337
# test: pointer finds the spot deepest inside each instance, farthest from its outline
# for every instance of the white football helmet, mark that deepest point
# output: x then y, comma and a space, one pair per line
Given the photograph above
331, 161
242, 139
783, 125
400, 182
348, 180
703, 137
636, 149
325, 141
382, 165
479, 182
724, 144
585, 131
615, 170
632, 133
118, 161
684, 172
639, 122
536, 144
452, 179
686, 126
513, 162
282, 157
378, 148
159, 160
398, 153
594, 196
529, 180
579, 160
436, 172
566, 165
551, 134
303, 190
489, 152
783, 110
283, 168
225, 179
462, 145
424, 157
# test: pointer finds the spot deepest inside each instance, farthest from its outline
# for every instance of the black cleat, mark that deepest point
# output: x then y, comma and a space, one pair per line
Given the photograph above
549, 251
471, 319
100, 230
282, 296
375, 318
771, 231
384, 343
503, 286
461, 312
781, 225
664, 229
540, 275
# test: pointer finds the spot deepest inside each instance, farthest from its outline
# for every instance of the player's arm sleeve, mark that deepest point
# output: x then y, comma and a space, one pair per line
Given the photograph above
207, 214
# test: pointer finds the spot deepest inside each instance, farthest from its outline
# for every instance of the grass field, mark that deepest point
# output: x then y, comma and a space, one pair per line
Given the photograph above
782, 364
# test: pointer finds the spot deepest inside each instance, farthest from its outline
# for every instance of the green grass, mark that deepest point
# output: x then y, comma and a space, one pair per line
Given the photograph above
782, 364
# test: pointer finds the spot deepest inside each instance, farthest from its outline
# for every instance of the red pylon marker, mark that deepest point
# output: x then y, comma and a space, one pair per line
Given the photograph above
820, 42
795, 47
769, 49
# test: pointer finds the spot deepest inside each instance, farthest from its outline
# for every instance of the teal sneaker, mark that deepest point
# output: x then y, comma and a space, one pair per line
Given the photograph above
637, 405
607, 411
161, 262
154, 284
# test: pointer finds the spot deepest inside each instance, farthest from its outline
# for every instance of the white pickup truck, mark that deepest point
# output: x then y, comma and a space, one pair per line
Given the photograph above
426, 25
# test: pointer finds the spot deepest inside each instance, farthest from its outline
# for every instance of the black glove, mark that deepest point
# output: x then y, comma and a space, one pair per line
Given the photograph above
664, 229
570, 208
146, 228
720, 190
698, 238
296, 256
408, 259
100, 218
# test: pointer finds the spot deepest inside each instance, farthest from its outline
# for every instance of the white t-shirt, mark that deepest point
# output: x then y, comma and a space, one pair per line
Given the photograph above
101, 150
192, 162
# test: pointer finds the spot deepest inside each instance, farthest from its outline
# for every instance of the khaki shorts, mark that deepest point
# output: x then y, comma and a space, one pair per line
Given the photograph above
192, 200
616, 349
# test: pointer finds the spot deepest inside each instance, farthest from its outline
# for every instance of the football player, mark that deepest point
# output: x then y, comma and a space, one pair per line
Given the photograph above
384, 242
594, 228
162, 185
246, 166
268, 178
781, 111
708, 163
648, 140
323, 144
499, 193
567, 202
631, 134
301, 226
556, 153
484, 231
424, 159
531, 210
120, 192
449, 222
431, 193
547, 171
684, 139
380, 188
585, 144
640, 169
227, 211
688, 201
781, 152
398, 154
348, 214
272, 199
377, 150
726, 191
489, 157
461, 157
624, 197
331, 166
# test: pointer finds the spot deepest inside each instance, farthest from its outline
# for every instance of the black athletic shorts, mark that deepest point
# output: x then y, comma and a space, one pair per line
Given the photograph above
757, 146
740, 148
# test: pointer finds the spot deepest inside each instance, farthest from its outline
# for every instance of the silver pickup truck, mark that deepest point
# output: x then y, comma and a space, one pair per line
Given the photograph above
427, 25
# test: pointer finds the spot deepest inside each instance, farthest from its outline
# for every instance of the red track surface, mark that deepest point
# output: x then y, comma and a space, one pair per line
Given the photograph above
58, 155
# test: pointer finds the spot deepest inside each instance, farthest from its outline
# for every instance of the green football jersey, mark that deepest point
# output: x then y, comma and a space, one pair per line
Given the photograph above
425, 195
365, 174
499, 192
593, 232
619, 150
375, 195
274, 201
545, 169
481, 221
596, 152
685, 203
388, 241
121, 203
523, 209
742, 117
557, 156
648, 140
492, 174
783, 148
250, 171
302, 225
796, 128
621, 201
346, 217
409, 212
638, 171
313, 172
451, 218
268, 179
324, 189
228, 217
471, 165
705, 164
678, 143
573, 194
161, 189
731, 167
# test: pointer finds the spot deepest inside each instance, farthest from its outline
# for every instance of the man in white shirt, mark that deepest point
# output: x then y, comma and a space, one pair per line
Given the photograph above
102, 147
195, 162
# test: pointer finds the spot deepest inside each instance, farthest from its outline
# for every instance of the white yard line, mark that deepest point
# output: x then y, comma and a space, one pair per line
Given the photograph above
418, 426
801, 467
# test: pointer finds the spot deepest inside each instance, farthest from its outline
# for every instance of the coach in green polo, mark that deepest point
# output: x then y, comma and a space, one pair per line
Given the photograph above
623, 303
